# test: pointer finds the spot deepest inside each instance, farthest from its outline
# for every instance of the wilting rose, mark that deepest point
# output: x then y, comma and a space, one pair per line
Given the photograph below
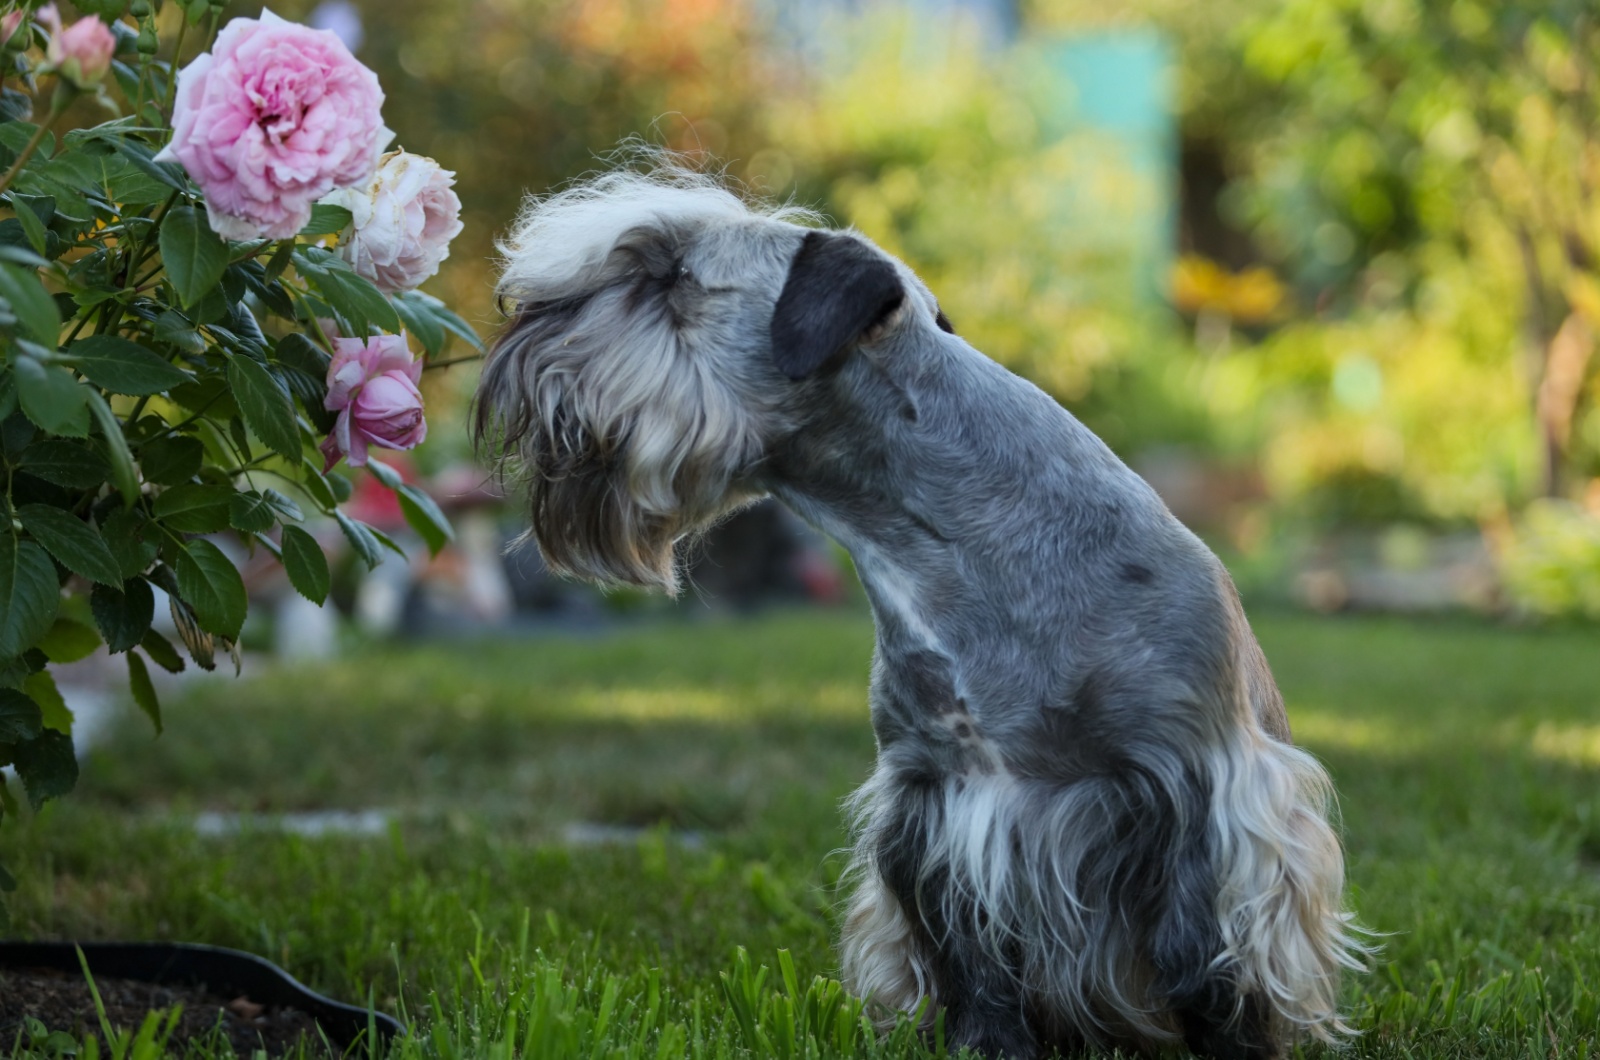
402, 221
80, 53
372, 384
274, 118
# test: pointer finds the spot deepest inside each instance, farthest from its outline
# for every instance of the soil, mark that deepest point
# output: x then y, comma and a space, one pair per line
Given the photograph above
62, 1002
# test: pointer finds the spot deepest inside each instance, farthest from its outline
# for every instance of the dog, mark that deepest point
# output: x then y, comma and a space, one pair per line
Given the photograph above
1087, 826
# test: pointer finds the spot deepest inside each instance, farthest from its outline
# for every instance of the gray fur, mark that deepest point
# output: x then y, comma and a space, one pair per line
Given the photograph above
1086, 824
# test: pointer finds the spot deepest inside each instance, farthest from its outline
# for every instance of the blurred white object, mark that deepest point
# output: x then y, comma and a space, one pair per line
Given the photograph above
344, 18
303, 630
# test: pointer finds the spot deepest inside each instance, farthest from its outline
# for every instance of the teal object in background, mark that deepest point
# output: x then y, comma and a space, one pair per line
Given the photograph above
1114, 93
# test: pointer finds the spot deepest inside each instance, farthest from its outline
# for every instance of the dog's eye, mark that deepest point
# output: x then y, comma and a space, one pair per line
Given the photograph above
944, 322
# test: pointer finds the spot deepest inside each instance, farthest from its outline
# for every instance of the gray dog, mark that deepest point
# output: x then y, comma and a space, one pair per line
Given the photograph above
1087, 826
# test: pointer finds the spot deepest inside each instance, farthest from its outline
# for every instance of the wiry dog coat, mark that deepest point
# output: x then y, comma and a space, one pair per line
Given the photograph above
1087, 824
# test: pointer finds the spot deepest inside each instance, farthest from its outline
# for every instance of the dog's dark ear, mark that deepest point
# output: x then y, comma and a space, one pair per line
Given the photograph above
838, 287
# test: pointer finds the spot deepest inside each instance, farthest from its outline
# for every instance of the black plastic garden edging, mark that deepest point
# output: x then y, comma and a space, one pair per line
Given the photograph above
228, 973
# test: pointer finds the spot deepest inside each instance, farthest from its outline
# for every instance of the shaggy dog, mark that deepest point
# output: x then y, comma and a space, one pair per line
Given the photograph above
1087, 826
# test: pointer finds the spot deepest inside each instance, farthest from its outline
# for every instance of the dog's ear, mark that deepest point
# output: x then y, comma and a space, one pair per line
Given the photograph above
838, 287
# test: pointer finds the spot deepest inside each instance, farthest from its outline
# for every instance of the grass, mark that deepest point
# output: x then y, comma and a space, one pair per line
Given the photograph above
1468, 760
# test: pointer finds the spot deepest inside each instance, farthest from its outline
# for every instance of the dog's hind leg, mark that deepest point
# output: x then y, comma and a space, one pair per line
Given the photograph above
878, 949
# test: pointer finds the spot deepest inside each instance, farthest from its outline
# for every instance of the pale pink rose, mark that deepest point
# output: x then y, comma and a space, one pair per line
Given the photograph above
372, 384
402, 221
82, 53
272, 119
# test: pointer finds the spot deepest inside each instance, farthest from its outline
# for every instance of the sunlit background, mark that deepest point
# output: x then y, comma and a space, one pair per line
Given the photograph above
1324, 271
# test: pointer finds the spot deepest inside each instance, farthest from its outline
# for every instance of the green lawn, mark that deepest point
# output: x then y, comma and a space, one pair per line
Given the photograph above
1468, 759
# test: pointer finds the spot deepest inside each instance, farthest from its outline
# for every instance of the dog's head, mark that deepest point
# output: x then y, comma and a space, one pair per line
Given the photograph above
661, 333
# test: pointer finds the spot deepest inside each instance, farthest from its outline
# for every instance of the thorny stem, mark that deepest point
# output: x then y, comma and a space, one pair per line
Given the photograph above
454, 360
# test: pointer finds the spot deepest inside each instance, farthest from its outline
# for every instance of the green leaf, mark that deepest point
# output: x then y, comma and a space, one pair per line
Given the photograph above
122, 471
172, 460
64, 462
20, 717
35, 309
316, 485
361, 539
28, 218
54, 714
424, 516
265, 406
284, 506
144, 690
123, 615
306, 564
51, 397
161, 652
385, 474
76, 544
124, 367
29, 594
194, 509
210, 583
173, 327
47, 765
141, 158
68, 640
250, 512
16, 135
132, 539
352, 297
326, 219
193, 254
419, 321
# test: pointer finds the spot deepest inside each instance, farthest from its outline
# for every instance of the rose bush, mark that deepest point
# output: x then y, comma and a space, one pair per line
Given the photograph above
178, 338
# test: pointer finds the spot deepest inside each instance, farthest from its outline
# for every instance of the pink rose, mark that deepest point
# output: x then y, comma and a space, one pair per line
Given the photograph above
9, 25
81, 54
372, 384
274, 118
402, 222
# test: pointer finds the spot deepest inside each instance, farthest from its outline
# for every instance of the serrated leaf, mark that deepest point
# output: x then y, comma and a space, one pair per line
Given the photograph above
116, 447
31, 224
32, 304
326, 219
20, 717
210, 584
51, 397
350, 296
425, 517
193, 508
123, 615
250, 511
47, 765
124, 367
64, 462
68, 640
265, 406
29, 594
284, 506
361, 538
172, 460
172, 327
306, 565
54, 714
132, 539
76, 544
419, 321
142, 159
144, 690
161, 652
193, 254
